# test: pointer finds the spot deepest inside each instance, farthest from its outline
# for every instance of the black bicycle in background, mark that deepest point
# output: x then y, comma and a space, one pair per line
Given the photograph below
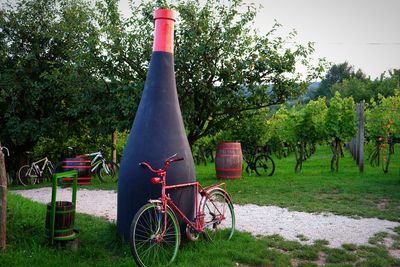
258, 161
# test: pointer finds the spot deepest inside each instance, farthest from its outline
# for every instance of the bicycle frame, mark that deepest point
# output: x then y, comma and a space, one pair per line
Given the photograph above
249, 159
198, 224
96, 161
165, 201
35, 166
252, 155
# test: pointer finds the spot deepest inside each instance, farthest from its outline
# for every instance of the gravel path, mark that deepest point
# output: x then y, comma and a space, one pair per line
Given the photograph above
258, 220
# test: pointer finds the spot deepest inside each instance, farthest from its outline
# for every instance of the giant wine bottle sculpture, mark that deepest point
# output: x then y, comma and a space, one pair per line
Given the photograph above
157, 133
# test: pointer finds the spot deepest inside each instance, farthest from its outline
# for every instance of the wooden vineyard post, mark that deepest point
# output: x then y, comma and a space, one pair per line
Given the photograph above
3, 202
360, 137
356, 145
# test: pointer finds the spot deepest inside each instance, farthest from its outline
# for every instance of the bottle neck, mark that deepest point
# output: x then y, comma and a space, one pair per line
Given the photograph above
164, 31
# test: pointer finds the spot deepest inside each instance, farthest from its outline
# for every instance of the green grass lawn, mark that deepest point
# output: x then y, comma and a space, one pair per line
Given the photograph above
100, 246
315, 189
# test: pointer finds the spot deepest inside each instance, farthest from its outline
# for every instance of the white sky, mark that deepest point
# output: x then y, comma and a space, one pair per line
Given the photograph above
366, 33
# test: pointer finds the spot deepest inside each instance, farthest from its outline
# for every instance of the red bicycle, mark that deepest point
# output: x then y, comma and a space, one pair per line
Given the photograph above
155, 232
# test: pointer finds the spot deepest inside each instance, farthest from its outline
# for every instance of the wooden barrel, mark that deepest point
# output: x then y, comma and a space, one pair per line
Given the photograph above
228, 160
64, 219
82, 165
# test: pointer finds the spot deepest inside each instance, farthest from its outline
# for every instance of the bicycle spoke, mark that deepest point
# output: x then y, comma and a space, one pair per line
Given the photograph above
219, 217
150, 247
108, 171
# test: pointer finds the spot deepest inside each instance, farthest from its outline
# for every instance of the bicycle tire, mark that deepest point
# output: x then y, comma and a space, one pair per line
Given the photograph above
217, 205
25, 177
145, 227
112, 176
264, 165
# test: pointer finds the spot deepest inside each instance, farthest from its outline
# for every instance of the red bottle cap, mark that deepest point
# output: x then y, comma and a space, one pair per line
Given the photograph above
164, 30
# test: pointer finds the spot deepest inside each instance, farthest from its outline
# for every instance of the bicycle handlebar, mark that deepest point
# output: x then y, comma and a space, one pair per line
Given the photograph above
145, 164
177, 159
166, 164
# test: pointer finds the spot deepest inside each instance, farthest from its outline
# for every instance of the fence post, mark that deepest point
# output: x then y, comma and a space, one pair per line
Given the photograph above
3, 202
360, 139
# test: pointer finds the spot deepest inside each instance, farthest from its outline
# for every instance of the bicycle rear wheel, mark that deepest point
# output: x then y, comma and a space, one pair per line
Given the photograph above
108, 172
149, 246
26, 175
219, 216
264, 165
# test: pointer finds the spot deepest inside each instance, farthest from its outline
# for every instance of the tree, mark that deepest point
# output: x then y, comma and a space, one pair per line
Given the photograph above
336, 74
387, 84
250, 131
383, 128
223, 67
309, 130
340, 125
44, 46
359, 89
301, 128
366, 89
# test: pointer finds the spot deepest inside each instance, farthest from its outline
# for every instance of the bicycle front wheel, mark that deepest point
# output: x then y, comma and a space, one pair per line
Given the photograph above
264, 165
26, 175
150, 245
219, 216
108, 172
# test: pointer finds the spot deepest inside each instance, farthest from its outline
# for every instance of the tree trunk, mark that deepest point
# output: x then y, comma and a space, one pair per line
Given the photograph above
3, 202
336, 150
114, 146
333, 160
299, 158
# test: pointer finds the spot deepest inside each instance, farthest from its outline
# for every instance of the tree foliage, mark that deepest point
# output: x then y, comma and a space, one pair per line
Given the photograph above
300, 128
71, 68
337, 74
366, 89
223, 67
383, 118
43, 49
383, 128
340, 125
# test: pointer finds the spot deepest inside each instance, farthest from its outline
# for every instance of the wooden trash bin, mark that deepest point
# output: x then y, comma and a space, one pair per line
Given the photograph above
60, 217
64, 218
